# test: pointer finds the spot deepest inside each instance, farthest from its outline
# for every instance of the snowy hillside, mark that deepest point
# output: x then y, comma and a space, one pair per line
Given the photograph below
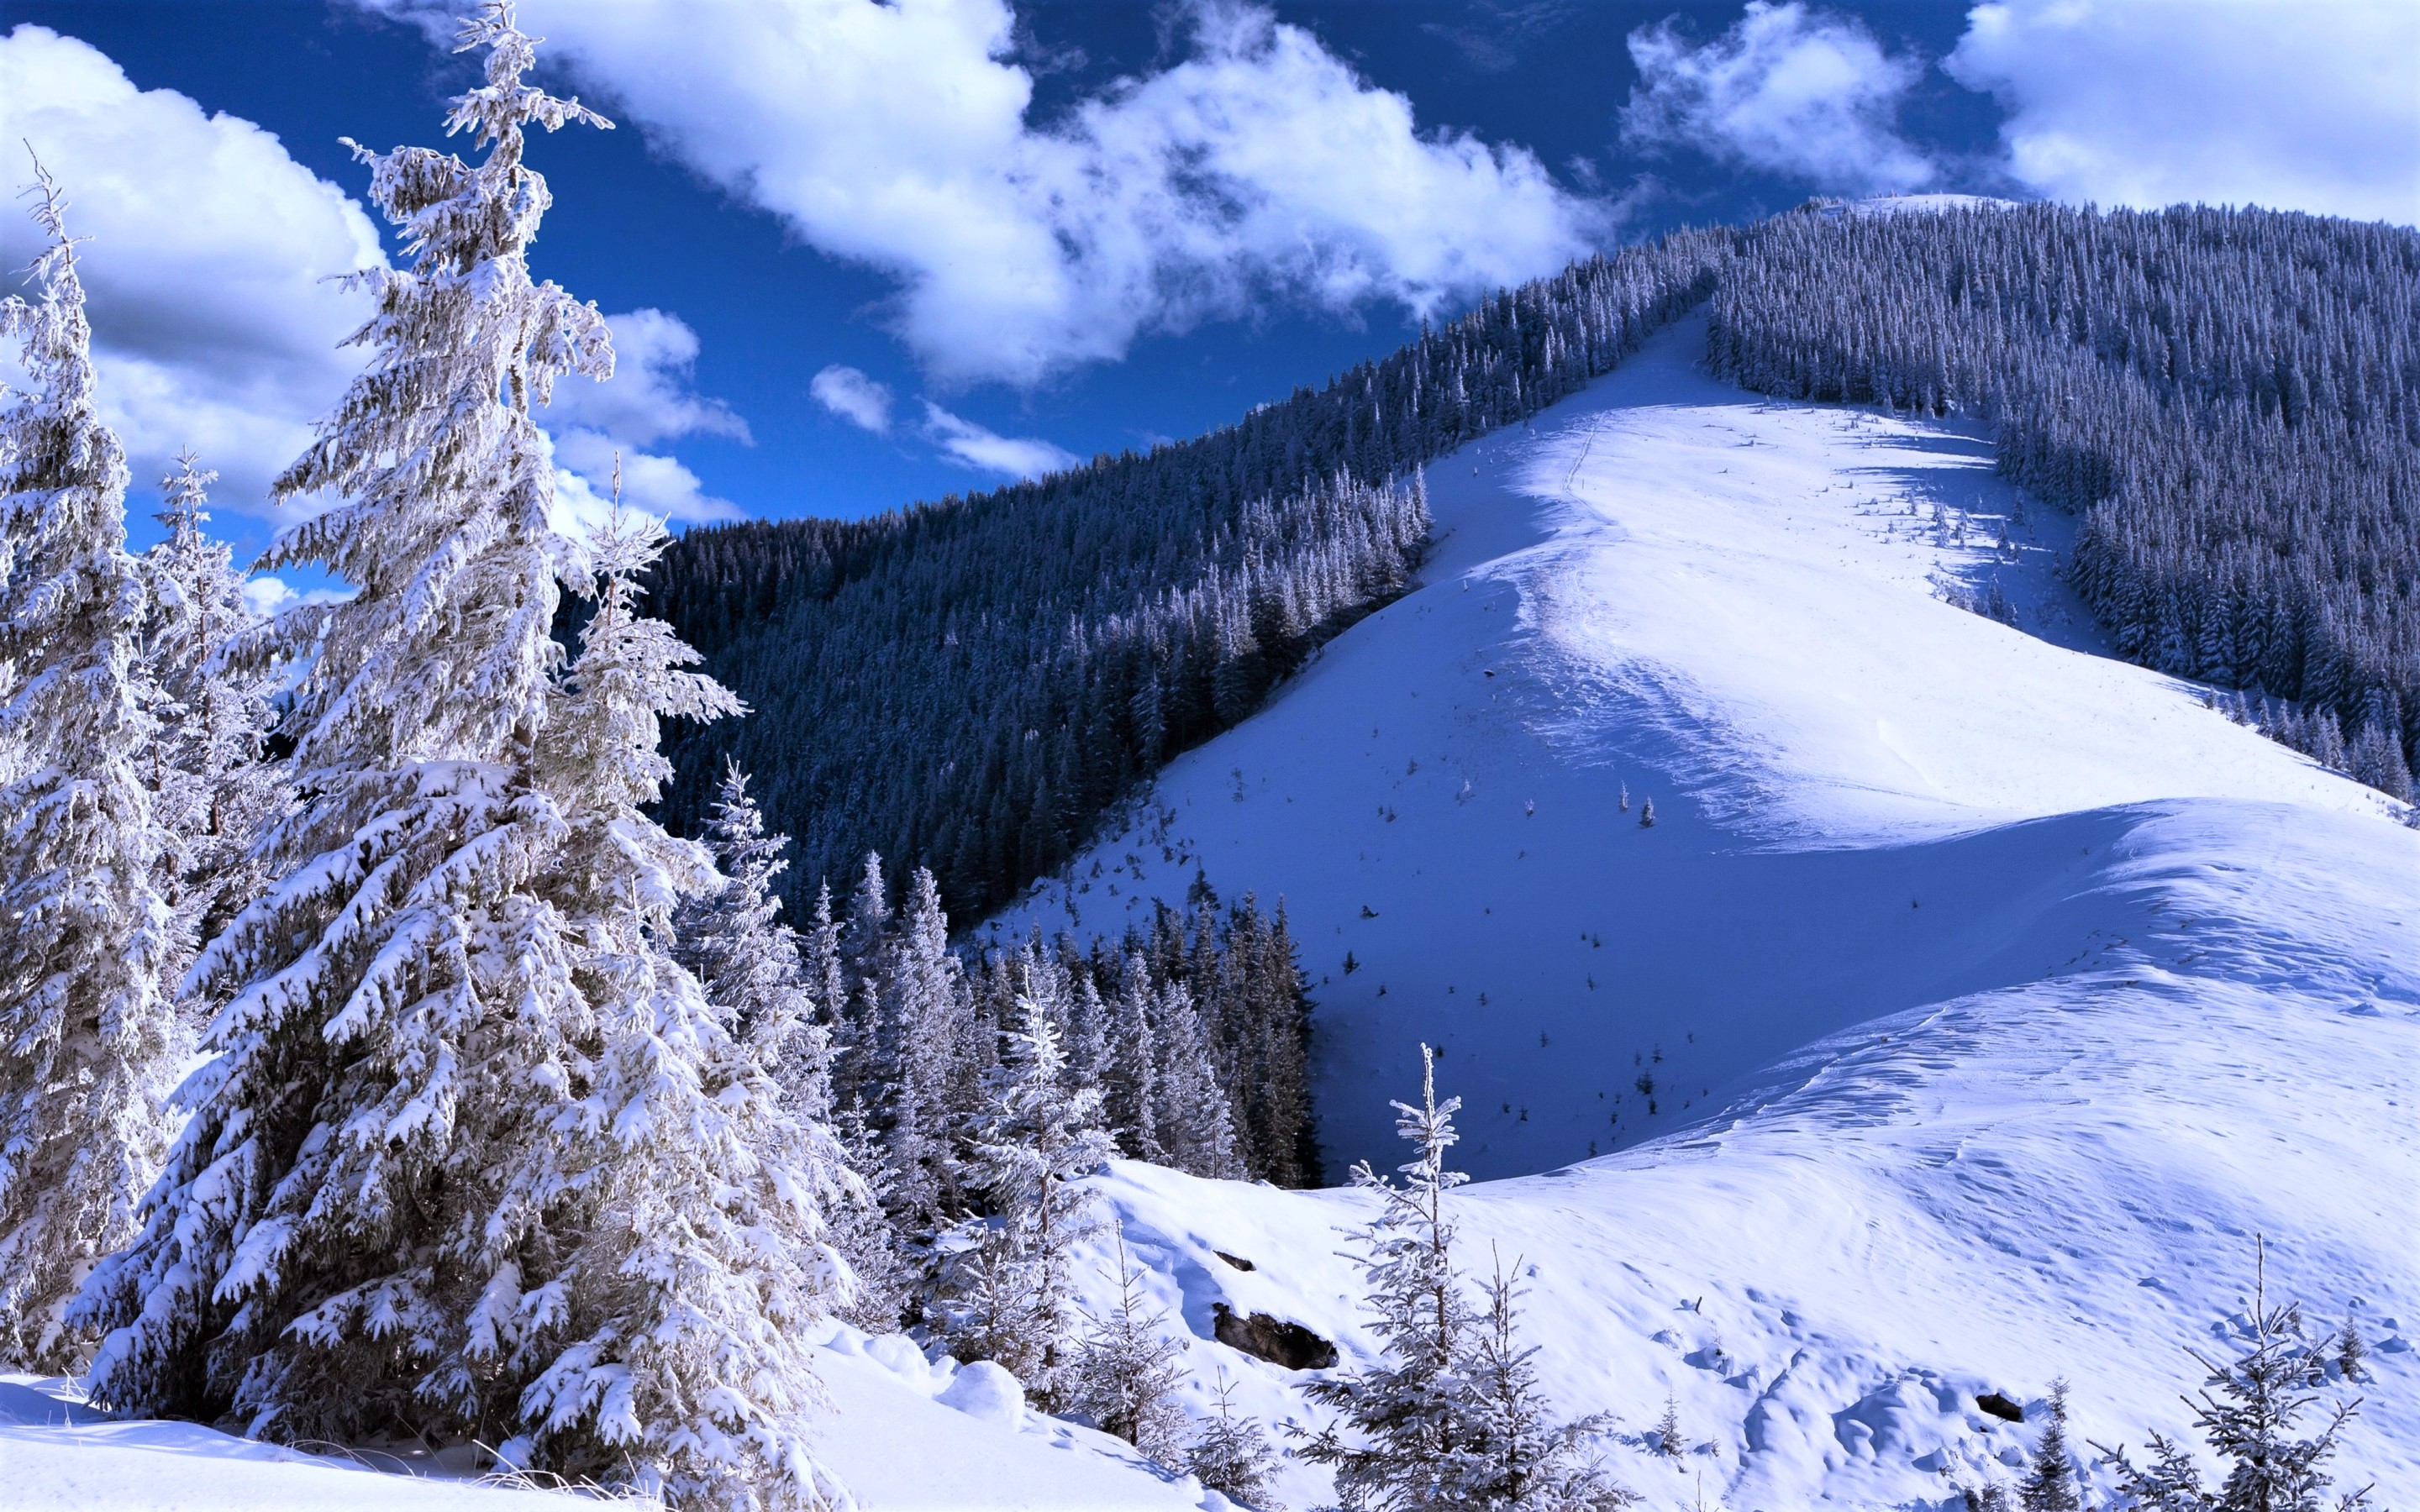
1972, 1002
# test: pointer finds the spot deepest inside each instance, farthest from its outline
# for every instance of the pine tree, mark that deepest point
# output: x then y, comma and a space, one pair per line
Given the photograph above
1125, 1371
1007, 1291
2049, 1485
89, 1038
732, 940
1402, 1423
684, 1193
1231, 1454
212, 788
406, 1027
2247, 1411
1518, 1456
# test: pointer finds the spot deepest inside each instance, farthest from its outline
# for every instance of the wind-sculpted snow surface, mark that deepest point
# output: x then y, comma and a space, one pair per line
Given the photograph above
1972, 1002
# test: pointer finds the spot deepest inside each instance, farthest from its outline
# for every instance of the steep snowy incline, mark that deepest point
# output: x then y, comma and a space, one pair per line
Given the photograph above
1972, 1003
1673, 592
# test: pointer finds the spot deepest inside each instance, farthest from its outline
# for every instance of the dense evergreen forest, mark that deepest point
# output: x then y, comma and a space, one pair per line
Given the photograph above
2231, 398
971, 684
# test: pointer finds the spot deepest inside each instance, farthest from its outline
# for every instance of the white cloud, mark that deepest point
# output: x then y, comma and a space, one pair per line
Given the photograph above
972, 445
585, 462
898, 135
2279, 102
1787, 90
265, 594
211, 325
649, 398
855, 398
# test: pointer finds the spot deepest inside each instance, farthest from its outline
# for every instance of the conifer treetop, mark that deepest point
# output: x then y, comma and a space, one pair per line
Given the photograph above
445, 482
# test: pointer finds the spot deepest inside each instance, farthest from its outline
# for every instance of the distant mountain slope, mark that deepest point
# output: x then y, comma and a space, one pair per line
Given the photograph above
1973, 1000
2230, 400
966, 685
1733, 607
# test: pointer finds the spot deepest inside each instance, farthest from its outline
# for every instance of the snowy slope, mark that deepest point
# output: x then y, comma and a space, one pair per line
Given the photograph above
1993, 993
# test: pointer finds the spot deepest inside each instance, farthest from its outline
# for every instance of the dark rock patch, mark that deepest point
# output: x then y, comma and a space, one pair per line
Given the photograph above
1236, 1260
2000, 1407
1273, 1340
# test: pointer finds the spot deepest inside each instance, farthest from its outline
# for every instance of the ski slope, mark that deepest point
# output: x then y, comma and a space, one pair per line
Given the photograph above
1993, 994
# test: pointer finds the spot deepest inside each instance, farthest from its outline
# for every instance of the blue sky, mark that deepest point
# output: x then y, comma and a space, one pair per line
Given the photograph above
1001, 235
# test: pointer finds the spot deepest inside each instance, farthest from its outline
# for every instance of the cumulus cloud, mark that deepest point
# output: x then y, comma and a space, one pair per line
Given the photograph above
1787, 90
583, 479
971, 445
2275, 102
855, 398
212, 324
265, 594
648, 399
901, 135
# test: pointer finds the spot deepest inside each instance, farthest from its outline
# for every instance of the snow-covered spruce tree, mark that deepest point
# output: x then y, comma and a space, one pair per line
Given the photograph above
88, 1039
2049, 1485
668, 1246
1130, 1096
733, 940
1400, 1423
2247, 1412
1231, 1454
388, 1206
1125, 1372
1193, 1122
1007, 1290
759, 981
209, 663
1517, 1454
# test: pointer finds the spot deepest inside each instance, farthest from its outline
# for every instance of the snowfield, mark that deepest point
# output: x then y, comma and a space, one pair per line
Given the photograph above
1993, 994
1972, 1003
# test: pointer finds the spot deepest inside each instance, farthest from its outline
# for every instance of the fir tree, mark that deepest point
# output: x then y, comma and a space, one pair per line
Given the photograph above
1518, 1458
1400, 1423
212, 788
1668, 1429
1193, 1122
1132, 1097
1231, 1454
1125, 1370
1007, 1289
89, 1038
684, 1193
2049, 1485
396, 984
2247, 1412
733, 940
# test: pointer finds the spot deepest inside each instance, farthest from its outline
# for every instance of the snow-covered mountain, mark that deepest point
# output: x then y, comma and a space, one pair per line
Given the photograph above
1993, 994
1972, 1003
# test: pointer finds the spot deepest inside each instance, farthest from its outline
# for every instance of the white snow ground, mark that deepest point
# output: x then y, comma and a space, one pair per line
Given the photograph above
1995, 994
2002, 991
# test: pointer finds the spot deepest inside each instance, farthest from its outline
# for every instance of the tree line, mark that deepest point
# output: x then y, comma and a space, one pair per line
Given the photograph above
971, 684
2230, 398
